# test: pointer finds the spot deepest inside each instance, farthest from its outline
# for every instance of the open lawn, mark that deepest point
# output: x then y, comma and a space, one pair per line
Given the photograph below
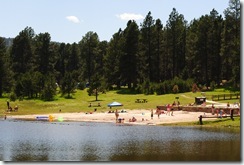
224, 122
80, 102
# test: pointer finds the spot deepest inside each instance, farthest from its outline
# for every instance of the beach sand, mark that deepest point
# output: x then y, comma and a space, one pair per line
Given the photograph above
143, 117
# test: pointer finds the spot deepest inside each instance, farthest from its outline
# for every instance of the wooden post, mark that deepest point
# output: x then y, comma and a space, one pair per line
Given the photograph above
231, 114
200, 119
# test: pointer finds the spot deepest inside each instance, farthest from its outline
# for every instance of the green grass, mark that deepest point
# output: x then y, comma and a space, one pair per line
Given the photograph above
225, 123
81, 100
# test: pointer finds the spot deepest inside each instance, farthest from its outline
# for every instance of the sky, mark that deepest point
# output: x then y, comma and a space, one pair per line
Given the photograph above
69, 20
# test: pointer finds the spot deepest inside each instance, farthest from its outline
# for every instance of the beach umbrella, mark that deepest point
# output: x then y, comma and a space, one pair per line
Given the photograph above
115, 104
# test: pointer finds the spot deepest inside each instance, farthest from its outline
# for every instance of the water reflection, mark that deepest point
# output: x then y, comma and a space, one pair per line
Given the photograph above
27, 151
81, 141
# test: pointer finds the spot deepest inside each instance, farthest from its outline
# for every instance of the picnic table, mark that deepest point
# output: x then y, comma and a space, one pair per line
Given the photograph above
94, 105
141, 101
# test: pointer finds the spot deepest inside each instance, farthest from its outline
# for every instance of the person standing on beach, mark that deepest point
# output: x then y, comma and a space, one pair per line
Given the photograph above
213, 108
228, 106
8, 104
151, 113
116, 115
217, 112
168, 109
158, 112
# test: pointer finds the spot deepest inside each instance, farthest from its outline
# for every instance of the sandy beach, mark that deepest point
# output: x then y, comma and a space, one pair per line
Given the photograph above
142, 117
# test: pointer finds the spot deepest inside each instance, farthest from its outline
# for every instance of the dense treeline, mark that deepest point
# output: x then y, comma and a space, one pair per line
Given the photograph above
148, 58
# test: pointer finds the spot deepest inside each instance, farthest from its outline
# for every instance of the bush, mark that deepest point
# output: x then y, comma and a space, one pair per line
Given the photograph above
212, 85
204, 88
81, 85
12, 96
48, 93
176, 89
159, 89
189, 83
167, 86
49, 90
195, 88
145, 87
176, 85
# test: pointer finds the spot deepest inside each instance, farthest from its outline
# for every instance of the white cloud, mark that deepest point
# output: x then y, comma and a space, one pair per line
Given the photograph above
73, 19
130, 16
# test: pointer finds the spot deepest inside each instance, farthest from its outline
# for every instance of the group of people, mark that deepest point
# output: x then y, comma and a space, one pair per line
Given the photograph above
169, 110
121, 120
133, 119
220, 111
10, 109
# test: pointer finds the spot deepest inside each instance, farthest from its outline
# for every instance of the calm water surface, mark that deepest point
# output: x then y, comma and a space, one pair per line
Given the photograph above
86, 141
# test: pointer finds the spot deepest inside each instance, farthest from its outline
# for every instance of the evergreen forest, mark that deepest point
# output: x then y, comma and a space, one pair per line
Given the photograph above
149, 58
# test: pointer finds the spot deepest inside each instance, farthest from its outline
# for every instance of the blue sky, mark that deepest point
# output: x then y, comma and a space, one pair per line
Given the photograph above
69, 20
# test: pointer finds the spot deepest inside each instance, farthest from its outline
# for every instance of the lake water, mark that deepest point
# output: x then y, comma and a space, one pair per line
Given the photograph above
87, 141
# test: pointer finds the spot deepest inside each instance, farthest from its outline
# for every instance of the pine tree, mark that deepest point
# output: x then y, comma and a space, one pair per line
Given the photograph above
129, 59
111, 60
146, 49
230, 45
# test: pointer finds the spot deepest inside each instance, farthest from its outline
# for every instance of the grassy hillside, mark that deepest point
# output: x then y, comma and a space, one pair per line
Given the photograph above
81, 100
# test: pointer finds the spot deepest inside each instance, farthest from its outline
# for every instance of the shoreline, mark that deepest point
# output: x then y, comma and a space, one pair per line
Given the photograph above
143, 117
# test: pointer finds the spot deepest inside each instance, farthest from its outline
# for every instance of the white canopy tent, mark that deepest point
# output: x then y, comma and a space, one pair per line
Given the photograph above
115, 104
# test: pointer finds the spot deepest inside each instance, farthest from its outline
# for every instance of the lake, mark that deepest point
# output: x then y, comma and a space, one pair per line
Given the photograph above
90, 141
